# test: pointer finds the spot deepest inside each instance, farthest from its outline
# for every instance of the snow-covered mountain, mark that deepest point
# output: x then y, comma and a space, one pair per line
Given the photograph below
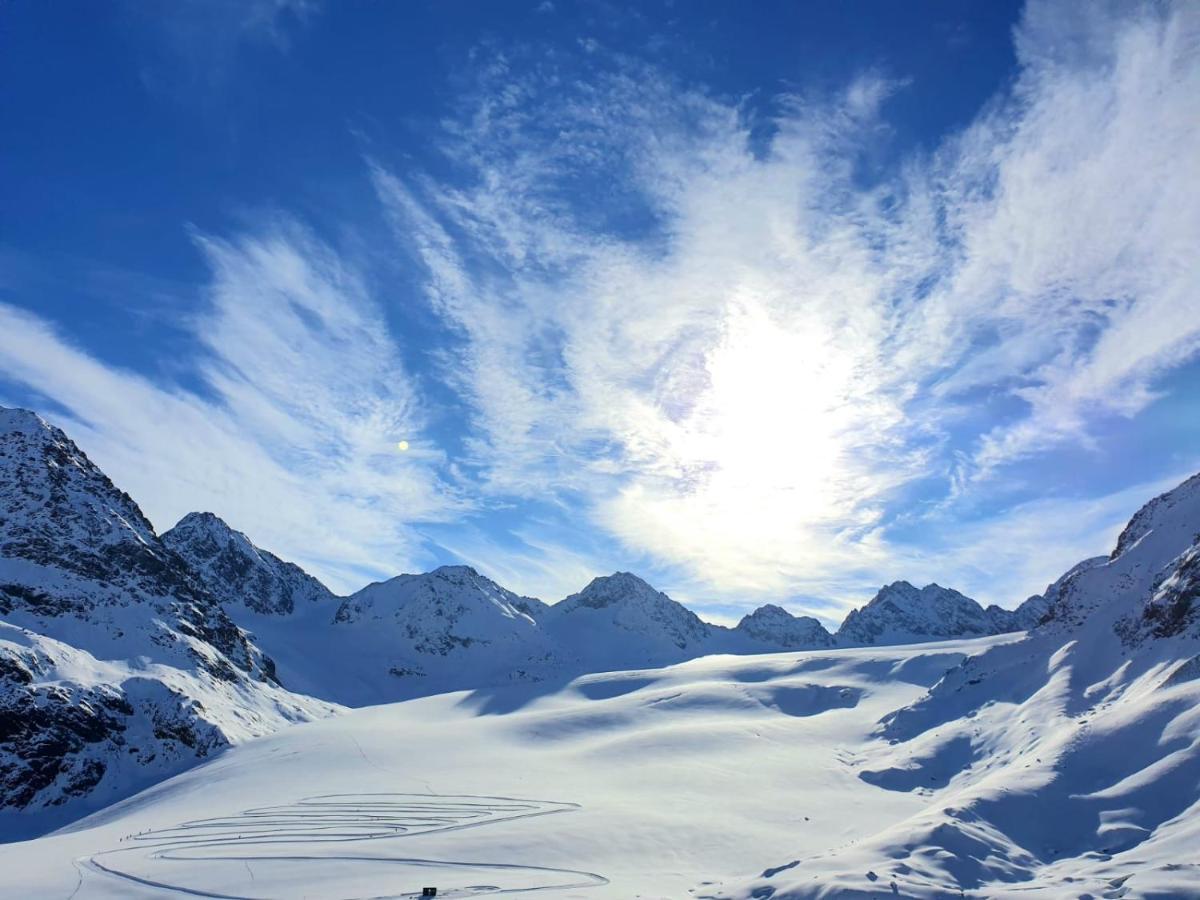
117, 667
79, 562
775, 626
442, 630
125, 656
453, 628
1066, 763
237, 572
411, 635
902, 614
620, 621
1061, 762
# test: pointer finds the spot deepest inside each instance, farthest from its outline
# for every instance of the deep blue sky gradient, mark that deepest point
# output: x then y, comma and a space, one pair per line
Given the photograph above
131, 128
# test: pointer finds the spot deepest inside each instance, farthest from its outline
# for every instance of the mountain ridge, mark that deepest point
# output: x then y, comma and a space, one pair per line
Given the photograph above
117, 667
127, 655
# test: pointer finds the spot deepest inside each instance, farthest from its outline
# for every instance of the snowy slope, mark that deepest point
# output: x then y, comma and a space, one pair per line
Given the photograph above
623, 785
116, 666
1063, 764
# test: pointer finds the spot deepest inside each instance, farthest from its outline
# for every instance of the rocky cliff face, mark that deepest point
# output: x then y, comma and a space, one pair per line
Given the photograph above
901, 613
116, 664
773, 625
237, 572
74, 549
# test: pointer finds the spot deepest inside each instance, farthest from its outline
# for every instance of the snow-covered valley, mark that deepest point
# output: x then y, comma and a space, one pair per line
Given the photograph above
182, 709
642, 784
723, 777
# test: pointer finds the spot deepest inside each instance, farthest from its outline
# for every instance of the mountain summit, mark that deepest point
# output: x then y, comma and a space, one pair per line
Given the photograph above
237, 572
117, 666
620, 620
901, 613
773, 624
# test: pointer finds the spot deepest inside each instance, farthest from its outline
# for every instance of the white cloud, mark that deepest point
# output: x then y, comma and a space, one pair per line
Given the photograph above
738, 381
731, 357
293, 438
1085, 247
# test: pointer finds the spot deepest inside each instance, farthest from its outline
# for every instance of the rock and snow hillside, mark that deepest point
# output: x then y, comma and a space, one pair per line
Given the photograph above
117, 667
775, 626
903, 614
240, 574
443, 630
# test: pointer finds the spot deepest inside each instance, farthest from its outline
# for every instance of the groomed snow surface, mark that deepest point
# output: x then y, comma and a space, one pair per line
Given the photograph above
730, 777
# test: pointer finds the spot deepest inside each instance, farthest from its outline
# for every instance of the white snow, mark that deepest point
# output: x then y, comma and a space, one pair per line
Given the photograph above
1064, 762
640, 784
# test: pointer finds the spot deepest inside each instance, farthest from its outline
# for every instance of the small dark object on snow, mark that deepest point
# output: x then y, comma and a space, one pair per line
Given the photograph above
428, 892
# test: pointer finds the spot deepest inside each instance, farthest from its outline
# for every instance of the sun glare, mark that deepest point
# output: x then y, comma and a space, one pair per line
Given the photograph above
763, 447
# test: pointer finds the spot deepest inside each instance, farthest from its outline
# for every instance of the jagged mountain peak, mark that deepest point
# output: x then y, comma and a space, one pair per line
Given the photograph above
410, 597
1152, 552
208, 521
53, 497
14, 418
900, 613
907, 592
73, 546
455, 571
775, 625
209, 526
614, 607
1159, 512
618, 588
238, 572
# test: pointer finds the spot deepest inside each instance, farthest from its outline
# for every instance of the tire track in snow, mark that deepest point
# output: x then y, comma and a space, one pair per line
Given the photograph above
340, 818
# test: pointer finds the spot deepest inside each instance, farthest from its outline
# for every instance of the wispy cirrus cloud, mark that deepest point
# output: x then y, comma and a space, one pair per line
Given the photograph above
753, 357
1080, 247
738, 358
291, 435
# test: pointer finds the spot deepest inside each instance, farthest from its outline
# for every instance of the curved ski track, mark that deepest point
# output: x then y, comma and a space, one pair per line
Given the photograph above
337, 818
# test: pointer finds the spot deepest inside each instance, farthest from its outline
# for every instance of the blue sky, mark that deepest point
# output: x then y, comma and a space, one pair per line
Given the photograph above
761, 301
